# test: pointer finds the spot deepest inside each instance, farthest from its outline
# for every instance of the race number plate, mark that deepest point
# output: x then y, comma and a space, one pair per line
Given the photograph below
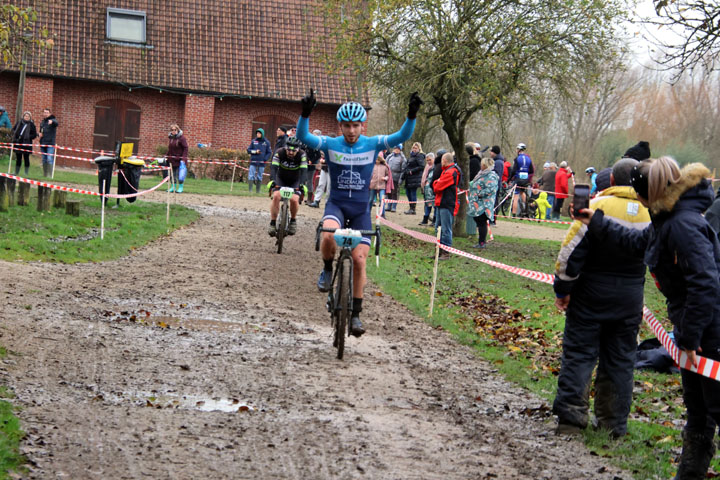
286, 192
347, 238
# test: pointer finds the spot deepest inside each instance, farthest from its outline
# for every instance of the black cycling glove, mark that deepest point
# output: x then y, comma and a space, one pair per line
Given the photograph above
414, 105
308, 103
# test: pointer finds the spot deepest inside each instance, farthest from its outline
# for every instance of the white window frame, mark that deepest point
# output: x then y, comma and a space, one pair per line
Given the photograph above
140, 15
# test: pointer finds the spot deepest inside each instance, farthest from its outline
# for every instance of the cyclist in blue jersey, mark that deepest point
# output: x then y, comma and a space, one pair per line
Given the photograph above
522, 173
350, 160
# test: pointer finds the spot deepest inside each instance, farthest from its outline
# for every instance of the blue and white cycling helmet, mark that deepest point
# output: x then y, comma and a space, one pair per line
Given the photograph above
351, 112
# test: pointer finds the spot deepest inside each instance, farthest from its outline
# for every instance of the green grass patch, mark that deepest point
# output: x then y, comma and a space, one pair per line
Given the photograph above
203, 186
54, 236
10, 437
512, 322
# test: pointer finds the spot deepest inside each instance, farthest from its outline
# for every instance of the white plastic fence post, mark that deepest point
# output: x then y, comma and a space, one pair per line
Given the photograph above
232, 180
52, 175
102, 212
435, 269
12, 149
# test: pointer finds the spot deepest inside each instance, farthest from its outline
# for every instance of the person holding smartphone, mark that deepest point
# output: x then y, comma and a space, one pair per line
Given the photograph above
683, 254
600, 288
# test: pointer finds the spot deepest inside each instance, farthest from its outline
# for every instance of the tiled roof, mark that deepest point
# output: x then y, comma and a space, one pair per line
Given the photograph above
248, 48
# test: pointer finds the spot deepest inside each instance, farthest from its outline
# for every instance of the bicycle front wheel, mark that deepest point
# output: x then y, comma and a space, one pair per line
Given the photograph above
344, 299
282, 225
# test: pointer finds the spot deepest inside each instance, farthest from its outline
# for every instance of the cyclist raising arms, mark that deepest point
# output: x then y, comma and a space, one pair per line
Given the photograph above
288, 169
350, 160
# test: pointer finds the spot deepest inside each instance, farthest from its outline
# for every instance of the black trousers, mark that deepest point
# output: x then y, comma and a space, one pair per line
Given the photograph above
482, 227
702, 397
604, 334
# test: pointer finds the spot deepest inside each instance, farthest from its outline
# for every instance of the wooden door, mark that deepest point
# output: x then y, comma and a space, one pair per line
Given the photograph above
270, 123
116, 120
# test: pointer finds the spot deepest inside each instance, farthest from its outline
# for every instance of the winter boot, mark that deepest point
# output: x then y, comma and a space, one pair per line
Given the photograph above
697, 452
250, 184
424, 220
17, 170
180, 188
27, 171
172, 188
46, 171
257, 185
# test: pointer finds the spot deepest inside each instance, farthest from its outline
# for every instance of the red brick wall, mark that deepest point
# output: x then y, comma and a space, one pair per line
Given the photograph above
8, 93
198, 119
38, 96
223, 123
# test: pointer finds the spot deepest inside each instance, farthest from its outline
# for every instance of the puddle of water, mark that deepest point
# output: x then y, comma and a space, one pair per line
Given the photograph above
185, 402
201, 324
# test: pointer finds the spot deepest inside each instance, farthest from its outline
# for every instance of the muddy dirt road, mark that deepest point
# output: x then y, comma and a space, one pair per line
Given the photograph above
206, 355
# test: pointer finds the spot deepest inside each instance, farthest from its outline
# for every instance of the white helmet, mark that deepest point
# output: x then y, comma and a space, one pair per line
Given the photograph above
521, 146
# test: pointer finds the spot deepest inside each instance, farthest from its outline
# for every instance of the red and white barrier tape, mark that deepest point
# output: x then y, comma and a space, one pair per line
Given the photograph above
81, 191
537, 220
705, 366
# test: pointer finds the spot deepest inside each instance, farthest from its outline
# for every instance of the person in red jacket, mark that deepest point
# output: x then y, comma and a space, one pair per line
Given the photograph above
446, 200
562, 178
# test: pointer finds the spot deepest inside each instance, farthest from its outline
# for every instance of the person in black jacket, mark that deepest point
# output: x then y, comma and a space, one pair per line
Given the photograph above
499, 169
48, 134
281, 140
683, 254
413, 175
474, 160
24, 132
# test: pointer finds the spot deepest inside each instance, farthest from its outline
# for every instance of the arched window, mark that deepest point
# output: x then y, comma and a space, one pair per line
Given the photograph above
116, 120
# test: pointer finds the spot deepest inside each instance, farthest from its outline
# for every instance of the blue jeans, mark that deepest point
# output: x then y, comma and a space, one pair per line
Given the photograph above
412, 196
444, 219
47, 154
380, 194
256, 171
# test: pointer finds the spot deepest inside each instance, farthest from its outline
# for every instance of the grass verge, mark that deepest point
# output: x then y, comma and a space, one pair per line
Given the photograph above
54, 236
512, 322
203, 186
10, 432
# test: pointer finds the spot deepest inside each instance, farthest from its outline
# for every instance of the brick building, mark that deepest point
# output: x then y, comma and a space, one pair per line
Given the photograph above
126, 69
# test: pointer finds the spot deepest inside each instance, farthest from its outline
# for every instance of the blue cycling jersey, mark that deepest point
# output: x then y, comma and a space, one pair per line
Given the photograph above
523, 168
351, 166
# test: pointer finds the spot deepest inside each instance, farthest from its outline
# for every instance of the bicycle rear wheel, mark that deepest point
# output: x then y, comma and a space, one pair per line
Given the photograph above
344, 302
504, 207
282, 225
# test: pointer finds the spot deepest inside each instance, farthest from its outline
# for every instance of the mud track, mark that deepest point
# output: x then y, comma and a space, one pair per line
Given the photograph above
206, 355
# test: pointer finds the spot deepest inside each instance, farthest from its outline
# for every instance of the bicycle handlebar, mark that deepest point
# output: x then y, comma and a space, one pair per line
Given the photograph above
364, 233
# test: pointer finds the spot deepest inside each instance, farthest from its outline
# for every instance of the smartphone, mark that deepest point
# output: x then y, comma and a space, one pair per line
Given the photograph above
581, 199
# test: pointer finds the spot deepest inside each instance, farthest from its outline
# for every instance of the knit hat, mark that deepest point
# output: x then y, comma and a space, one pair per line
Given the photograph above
495, 149
284, 129
640, 152
2, 109
602, 181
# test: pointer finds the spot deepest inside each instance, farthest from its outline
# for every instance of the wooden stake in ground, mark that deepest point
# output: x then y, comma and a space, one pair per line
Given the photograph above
44, 199
232, 180
52, 174
435, 269
4, 195
72, 207
102, 212
23, 197
59, 198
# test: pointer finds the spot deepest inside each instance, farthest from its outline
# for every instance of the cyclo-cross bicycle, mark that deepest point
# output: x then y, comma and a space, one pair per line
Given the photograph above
339, 301
283, 219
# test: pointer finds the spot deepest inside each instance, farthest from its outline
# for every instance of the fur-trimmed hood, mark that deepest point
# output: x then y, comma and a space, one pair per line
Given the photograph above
693, 187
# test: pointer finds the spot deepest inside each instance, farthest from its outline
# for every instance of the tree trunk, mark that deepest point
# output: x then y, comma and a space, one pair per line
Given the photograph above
59, 198
43, 199
72, 207
456, 135
23, 198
